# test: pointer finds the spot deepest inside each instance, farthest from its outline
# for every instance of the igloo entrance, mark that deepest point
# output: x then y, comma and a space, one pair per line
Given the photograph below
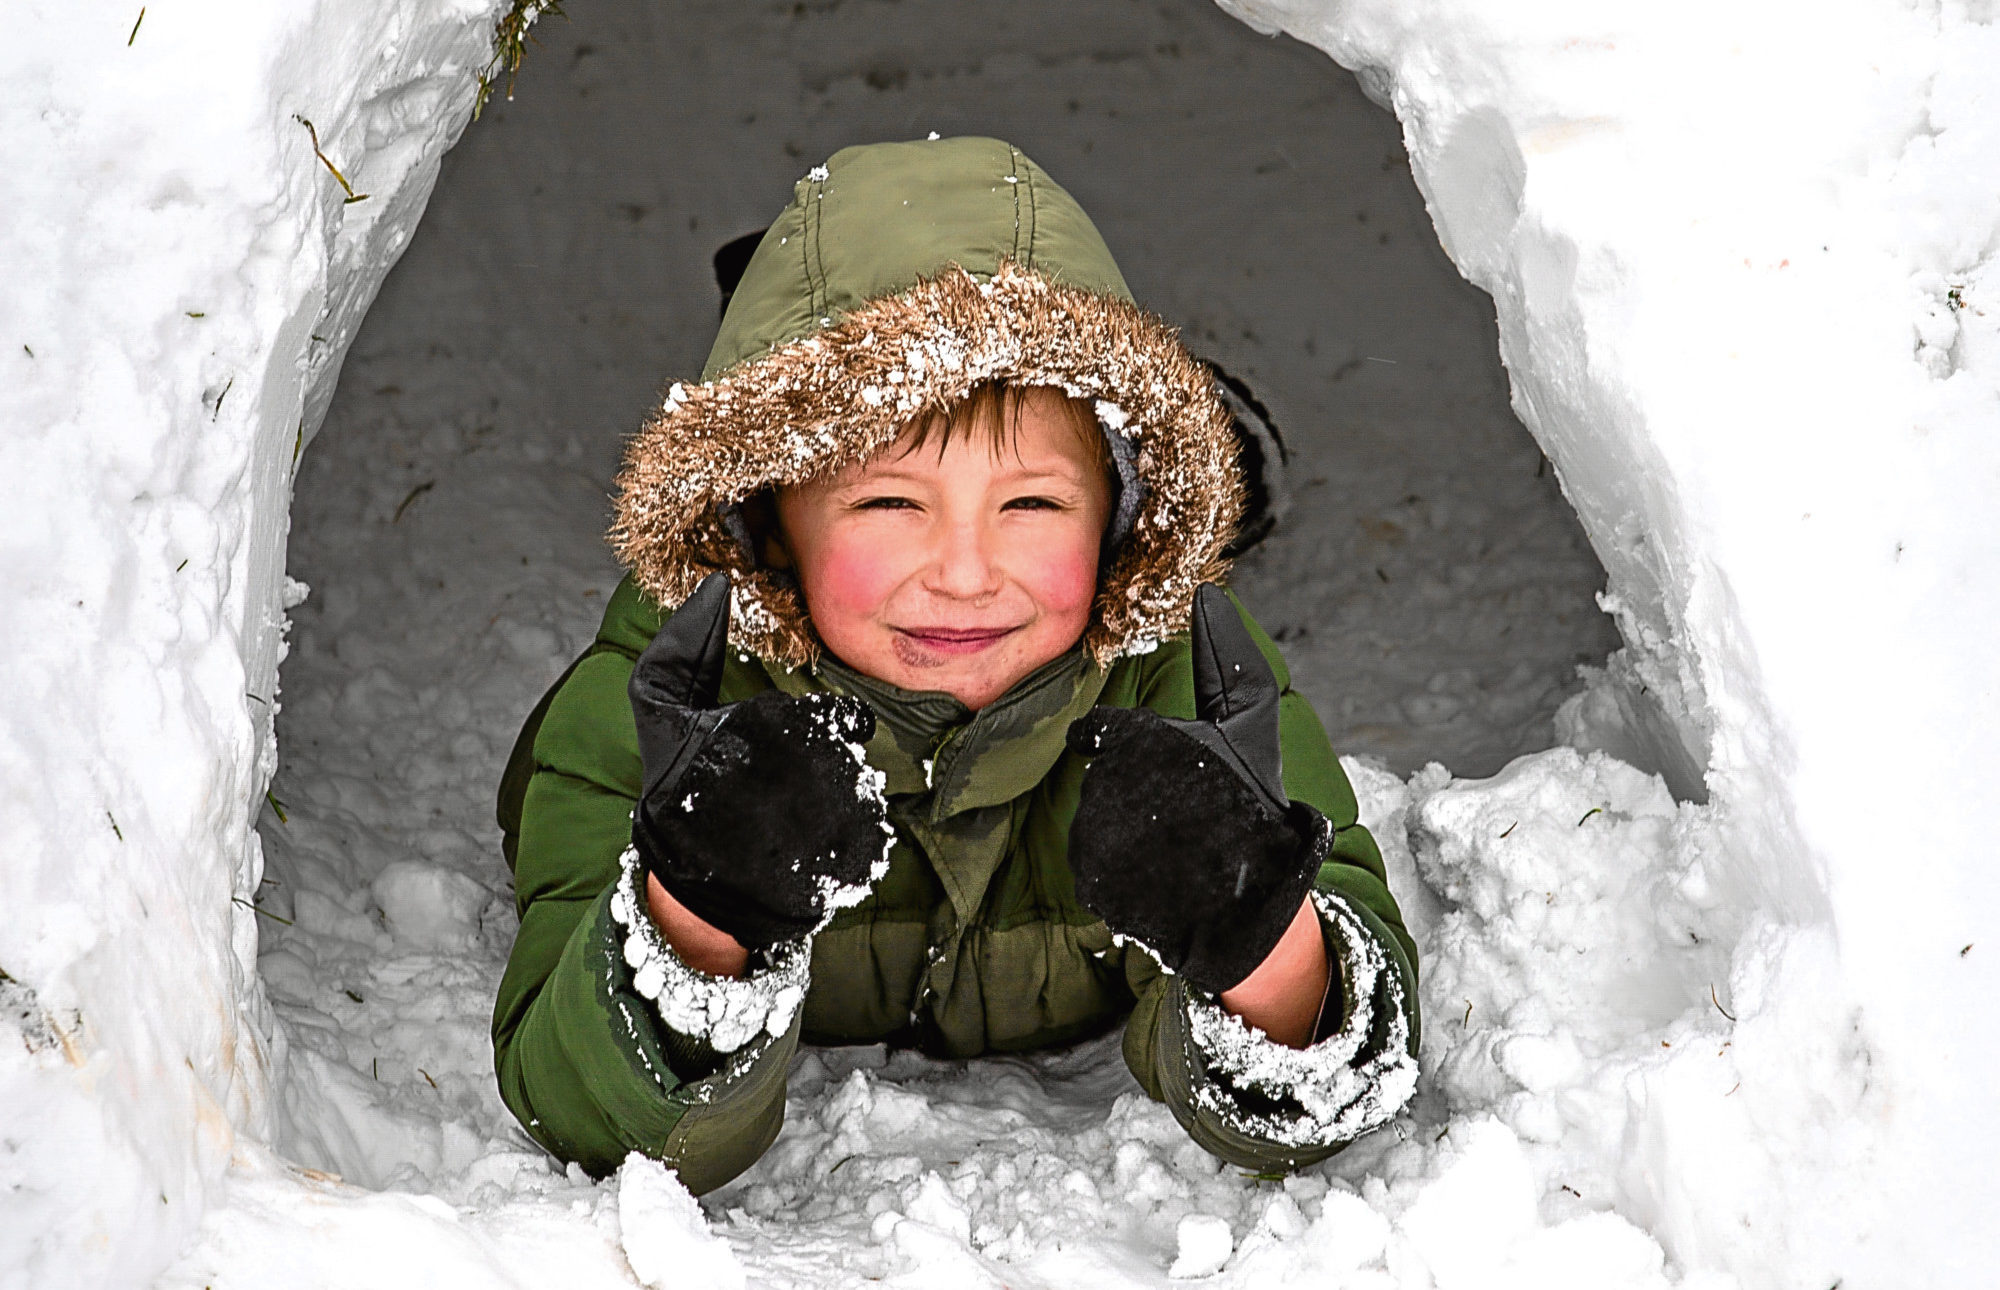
1763, 358
1432, 588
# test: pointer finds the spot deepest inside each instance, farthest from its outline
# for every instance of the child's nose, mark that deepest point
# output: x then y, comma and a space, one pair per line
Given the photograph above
964, 566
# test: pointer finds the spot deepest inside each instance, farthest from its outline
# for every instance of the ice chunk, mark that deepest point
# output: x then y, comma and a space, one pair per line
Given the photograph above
666, 1239
1203, 1244
428, 906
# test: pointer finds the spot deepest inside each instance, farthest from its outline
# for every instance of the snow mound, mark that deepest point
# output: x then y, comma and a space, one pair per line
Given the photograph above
184, 276
666, 1239
1202, 1244
1743, 262
1592, 990
429, 907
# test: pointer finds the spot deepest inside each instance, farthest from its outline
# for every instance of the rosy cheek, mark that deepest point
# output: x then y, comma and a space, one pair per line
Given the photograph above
847, 581
1066, 583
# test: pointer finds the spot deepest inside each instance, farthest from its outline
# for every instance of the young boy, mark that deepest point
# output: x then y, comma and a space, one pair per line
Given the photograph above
987, 761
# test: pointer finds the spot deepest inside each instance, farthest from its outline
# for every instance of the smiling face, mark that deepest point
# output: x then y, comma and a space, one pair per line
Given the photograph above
959, 568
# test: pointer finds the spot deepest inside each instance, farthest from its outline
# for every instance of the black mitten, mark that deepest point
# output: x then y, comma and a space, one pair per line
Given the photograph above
758, 816
1184, 839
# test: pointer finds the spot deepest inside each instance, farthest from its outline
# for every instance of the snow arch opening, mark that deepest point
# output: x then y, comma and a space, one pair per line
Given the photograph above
1428, 581
1695, 373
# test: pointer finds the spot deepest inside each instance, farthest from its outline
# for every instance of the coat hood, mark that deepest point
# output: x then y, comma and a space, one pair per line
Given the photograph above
900, 276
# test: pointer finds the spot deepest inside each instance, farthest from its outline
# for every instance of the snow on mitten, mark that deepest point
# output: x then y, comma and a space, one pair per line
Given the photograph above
1184, 840
761, 816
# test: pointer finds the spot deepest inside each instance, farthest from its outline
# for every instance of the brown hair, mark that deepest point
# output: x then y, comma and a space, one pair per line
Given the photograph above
996, 406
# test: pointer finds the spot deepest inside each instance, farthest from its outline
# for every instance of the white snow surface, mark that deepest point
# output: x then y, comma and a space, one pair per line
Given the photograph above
1743, 267
182, 280
667, 1240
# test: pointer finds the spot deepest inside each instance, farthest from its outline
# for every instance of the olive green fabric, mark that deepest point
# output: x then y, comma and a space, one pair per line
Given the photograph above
878, 217
974, 941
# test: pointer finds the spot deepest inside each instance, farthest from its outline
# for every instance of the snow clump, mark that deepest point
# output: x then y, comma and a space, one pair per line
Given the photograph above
665, 1236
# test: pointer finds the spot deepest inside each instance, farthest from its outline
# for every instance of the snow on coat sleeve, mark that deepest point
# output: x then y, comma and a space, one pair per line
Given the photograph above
1354, 1077
583, 1055
707, 1018
1253, 1102
1264, 1106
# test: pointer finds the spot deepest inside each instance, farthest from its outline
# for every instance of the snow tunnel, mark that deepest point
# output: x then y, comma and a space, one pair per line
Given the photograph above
1743, 382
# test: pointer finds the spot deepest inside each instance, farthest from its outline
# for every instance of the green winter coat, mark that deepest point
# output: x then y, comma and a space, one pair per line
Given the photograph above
974, 942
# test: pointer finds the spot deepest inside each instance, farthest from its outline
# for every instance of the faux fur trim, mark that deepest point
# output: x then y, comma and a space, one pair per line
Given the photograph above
813, 406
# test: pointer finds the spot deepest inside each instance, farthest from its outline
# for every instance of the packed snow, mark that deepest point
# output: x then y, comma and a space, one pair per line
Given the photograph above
1743, 260
183, 275
1576, 944
1692, 1018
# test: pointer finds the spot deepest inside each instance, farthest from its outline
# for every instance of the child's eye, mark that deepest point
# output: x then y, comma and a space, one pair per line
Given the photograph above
885, 504
1032, 504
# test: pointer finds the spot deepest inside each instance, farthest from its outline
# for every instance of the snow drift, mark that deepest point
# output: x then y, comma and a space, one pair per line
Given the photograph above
1744, 264
184, 274
1744, 269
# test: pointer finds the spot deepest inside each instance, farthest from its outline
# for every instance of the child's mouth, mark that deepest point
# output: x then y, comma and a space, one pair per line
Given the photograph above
953, 641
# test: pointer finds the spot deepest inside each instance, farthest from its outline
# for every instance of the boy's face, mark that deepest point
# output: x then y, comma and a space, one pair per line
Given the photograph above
962, 570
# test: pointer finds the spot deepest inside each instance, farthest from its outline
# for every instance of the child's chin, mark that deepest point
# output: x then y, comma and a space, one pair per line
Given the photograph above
973, 677
977, 692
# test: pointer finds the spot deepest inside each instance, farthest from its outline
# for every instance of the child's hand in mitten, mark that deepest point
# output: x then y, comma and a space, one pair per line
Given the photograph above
1184, 839
761, 816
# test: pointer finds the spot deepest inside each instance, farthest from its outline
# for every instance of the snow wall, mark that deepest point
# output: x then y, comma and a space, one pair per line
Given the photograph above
1744, 261
1744, 269
183, 277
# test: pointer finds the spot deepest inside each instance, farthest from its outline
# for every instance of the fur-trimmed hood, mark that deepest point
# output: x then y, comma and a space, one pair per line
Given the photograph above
901, 276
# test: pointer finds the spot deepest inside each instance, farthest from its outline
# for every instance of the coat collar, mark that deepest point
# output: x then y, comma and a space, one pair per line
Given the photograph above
927, 742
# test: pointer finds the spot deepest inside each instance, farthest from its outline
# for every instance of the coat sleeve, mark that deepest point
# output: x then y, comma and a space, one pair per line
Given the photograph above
583, 1057
1253, 1102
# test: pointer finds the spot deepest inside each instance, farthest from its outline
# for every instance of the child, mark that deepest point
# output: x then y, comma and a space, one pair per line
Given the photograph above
987, 764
